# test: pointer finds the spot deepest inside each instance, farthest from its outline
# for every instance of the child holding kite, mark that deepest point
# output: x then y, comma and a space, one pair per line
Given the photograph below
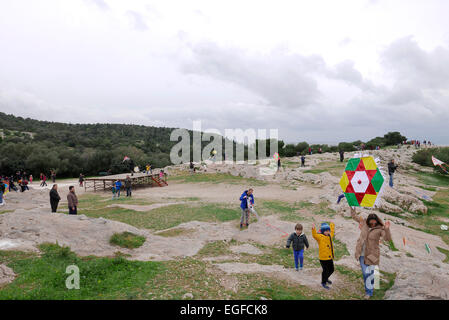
299, 240
326, 251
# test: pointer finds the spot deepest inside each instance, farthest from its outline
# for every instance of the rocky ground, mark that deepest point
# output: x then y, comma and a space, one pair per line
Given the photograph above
27, 221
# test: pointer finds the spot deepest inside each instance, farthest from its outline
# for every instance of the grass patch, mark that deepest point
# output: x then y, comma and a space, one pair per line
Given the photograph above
168, 216
5, 211
127, 240
218, 178
340, 249
432, 179
386, 282
408, 254
392, 246
100, 278
334, 168
253, 287
175, 232
446, 252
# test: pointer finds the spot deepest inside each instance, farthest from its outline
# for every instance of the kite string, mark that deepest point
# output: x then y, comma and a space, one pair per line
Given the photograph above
269, 225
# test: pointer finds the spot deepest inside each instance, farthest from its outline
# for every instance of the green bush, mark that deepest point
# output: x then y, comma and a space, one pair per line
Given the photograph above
127, 240
424, 157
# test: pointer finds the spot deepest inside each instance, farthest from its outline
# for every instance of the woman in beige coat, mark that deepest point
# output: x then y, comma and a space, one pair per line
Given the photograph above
367, 250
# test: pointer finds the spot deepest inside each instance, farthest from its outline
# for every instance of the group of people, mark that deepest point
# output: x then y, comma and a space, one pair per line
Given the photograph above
72, 200
117, 186
372, 231
15, 182
417, 143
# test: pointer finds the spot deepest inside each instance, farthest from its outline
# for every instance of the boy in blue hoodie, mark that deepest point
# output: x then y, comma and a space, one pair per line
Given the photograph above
118, 185
299, 241
246, 195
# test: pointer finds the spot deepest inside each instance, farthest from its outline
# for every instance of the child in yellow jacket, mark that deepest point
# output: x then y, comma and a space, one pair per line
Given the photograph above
326, 251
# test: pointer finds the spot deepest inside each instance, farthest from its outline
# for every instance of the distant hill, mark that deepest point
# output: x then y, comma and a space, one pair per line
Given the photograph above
70, 149
38, 146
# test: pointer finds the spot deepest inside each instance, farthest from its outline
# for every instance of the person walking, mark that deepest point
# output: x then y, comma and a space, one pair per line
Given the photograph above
81, 179
342, 155
44, 179
367, 251
128, 184
72, 201
54, 198
391, 170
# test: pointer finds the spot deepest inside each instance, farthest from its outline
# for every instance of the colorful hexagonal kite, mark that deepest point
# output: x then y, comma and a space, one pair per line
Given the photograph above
361, 182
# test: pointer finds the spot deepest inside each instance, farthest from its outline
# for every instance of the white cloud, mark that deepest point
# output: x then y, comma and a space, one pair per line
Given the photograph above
317, 70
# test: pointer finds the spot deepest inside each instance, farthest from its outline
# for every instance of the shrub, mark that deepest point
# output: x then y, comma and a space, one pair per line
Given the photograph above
127, 240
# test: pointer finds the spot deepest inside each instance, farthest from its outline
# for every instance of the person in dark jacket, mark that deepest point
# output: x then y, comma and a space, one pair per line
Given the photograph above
54, 198
342, 155
72, 201
128, 186
299, 241
391, 169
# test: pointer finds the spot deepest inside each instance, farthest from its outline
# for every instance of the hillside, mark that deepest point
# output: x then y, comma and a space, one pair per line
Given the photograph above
38, 146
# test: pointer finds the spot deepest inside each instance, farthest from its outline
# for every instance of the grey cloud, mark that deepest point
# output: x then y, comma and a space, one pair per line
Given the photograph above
137, 20
281, 78
409, 63
101, 4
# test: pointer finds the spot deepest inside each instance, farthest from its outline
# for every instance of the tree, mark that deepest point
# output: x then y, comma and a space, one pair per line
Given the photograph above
394, 138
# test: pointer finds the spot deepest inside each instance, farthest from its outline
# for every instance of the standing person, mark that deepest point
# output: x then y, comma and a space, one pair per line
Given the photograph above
113, 192
72, 201
342, 155
303, 161
2, 192
326, 251
53, 176
320, 150
391, 169
310, 151
118, 186
148, 168
367, 251
54, 198
81, 179
244, 206
128, 186
299, 240
31, 179
279, 163
192, 168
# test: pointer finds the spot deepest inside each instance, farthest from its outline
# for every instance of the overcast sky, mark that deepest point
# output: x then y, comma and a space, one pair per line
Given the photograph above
320, 71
